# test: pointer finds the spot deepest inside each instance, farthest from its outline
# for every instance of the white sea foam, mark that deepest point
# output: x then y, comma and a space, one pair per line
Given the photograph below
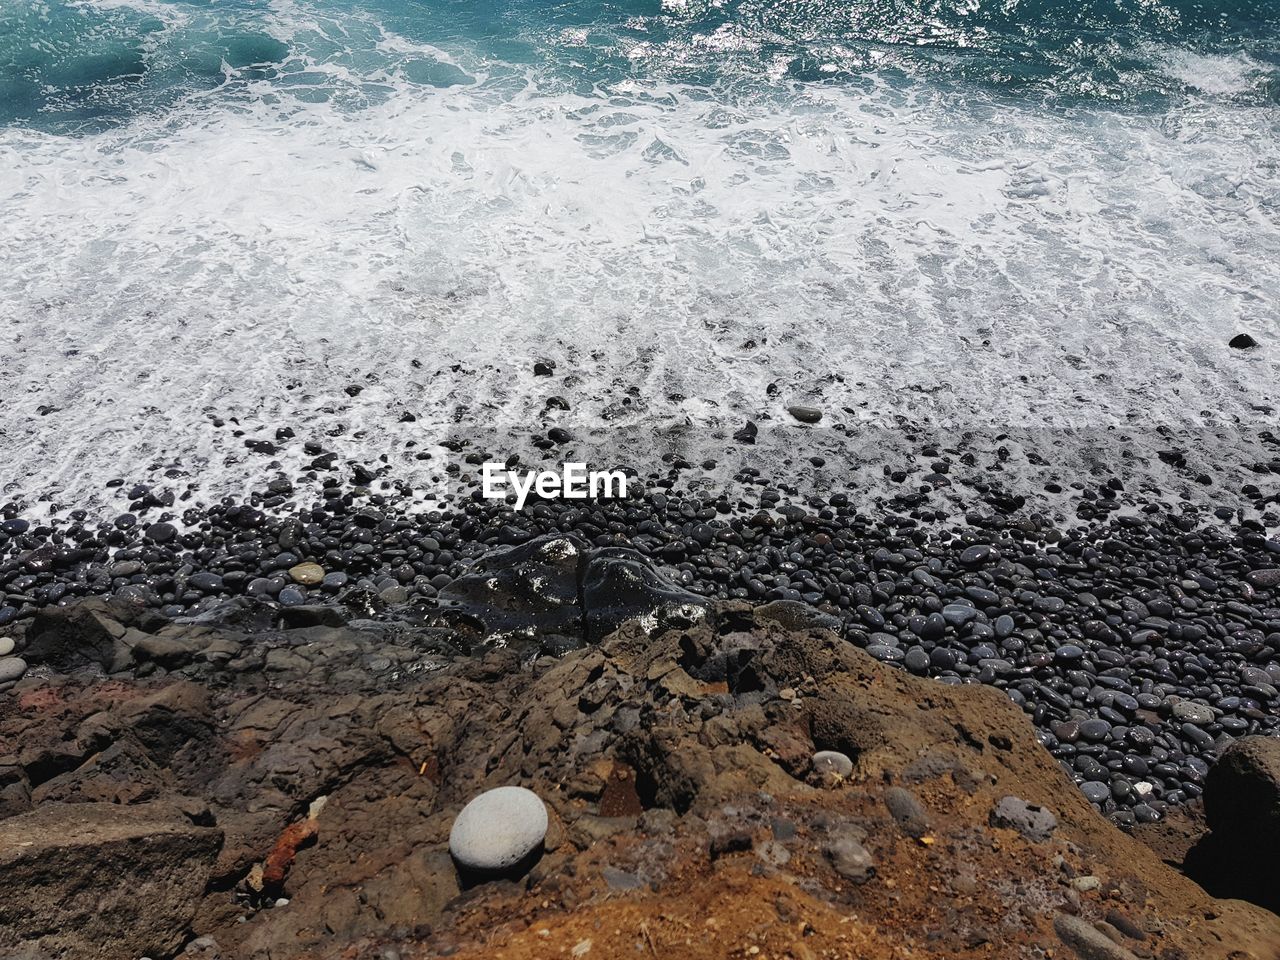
676, 250
1216, 74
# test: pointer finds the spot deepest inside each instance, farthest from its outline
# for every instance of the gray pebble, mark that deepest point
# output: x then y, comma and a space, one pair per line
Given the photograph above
850, 859
832, 761
12, 668
1189, 711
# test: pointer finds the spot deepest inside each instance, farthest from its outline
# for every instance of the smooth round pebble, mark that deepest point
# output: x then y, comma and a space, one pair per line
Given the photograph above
308, 574
1189, 711
832, 761
6, 646
12, 668
498, 829
1096, 791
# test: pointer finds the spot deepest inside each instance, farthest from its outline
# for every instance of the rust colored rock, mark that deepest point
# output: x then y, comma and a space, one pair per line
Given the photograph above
280, 859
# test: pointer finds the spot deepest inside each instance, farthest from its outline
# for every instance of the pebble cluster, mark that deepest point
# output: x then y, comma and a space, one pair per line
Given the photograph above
1139, 645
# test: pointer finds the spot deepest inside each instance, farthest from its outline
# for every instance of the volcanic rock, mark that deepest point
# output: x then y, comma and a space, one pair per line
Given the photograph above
101, 881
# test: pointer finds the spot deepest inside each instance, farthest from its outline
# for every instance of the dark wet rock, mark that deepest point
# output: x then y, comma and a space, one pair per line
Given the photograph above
161, 532
977, 555
532, 588
1265, 579
206, 582
805, 414
618, 585
1242, 341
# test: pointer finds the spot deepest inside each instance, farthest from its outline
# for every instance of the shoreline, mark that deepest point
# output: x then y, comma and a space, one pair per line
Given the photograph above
1097, 631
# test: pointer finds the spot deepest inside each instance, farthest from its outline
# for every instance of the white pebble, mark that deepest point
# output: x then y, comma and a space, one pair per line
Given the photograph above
832, 761
498, 829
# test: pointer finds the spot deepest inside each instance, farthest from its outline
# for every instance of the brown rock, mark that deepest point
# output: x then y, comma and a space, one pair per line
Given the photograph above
98, 881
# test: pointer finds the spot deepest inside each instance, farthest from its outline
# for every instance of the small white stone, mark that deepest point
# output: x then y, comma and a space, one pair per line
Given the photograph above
832, 761
498, 829
6, 646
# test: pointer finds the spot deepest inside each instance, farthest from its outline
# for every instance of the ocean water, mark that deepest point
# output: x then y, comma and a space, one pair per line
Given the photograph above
953, 218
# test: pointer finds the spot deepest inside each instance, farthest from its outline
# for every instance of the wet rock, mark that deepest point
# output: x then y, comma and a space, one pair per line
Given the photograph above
74, 636
1242, 341
312, 615
1264, 579
102, 880
618, 585
805, 414
161, 532
501, 830
1189, 711
307, 574
532, 587
206, 582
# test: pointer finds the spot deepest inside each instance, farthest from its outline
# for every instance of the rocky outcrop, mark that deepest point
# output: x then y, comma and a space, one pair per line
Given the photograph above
1237, 857
102, 881
686, 816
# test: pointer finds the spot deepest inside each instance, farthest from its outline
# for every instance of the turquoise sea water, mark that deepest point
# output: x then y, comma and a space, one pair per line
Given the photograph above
79, 63
956, 213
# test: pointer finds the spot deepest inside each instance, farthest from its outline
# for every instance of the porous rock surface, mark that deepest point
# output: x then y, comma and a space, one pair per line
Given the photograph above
102, 880
685, 817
